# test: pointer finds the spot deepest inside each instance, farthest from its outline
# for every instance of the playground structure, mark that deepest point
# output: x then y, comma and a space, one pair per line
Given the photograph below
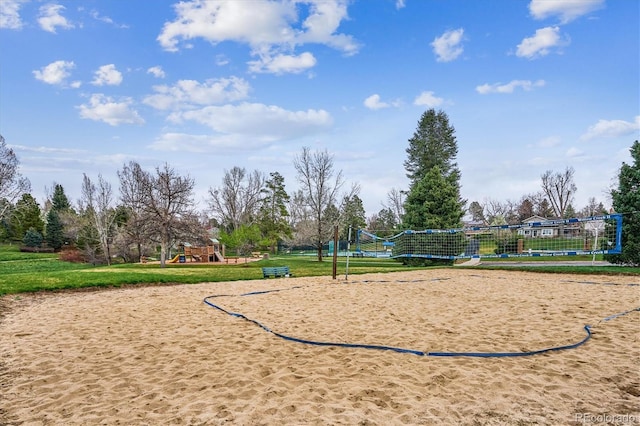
213, 252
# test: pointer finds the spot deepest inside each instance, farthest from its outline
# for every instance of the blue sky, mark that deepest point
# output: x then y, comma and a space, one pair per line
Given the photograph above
529, 85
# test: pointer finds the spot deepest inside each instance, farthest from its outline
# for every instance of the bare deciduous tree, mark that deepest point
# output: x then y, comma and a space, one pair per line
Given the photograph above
298, 209
12, 183
236, 202
320, 186
138, 227
165, 199
98, 200
500, 212
593, 208
395, 198
559, 189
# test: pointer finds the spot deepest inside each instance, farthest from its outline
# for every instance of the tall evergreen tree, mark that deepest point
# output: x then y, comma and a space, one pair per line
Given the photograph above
433, 144
66, 220
59, 200
274, 217
476, 210
26, 215
384, 222
626, 200
353, 215
54, 231
434, 175
433, 203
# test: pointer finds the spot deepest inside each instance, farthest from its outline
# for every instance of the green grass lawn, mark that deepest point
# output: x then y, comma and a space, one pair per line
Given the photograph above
31, 272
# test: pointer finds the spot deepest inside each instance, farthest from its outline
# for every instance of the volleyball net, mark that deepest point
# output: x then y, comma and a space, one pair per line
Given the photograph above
563, 237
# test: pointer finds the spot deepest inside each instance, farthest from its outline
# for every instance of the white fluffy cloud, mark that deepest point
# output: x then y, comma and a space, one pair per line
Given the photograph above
10, 14
51, 18
374, 102
509, 87
566, 10
157, 72
55, 73
612, 129
428, 99
267, 122
187, 93
266, 26
106, 109
540, 43
280, 63
107, 75
448, 46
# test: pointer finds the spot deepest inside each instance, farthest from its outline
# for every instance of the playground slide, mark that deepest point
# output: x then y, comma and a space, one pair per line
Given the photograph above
175, 259
218, 256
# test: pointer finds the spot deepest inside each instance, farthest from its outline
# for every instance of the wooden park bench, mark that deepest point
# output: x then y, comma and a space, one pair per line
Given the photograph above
276, 271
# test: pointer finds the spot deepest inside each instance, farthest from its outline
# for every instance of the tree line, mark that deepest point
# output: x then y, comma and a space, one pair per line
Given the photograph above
251, 210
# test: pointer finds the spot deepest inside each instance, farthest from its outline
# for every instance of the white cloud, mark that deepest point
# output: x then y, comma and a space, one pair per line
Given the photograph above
50, 18
95, 15
104, 108
566, 10
193, 93
54, 73
10, 14
266, 26
321, 25
107, 75
509, 87
48, 150
266, 122
157, 72
612, 129
541, 43
281, 63
373, 102
448, 46
428, 99
400, 4
221, 60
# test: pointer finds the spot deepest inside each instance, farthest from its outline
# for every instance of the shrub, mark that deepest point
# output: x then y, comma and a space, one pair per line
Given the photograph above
71, 254
32, 238
507, 245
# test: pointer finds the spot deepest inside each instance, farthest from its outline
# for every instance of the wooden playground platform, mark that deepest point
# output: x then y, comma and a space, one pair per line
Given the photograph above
208, 254
213, 253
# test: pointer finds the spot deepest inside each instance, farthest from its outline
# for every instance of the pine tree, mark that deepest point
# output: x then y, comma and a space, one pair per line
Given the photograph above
433, 203
26, 215
32, 238
353, 215
434, 199
274, 223
626, 200
54, 231
59, 200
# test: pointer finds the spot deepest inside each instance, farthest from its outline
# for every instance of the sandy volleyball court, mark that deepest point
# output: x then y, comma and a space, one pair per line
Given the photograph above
159, 355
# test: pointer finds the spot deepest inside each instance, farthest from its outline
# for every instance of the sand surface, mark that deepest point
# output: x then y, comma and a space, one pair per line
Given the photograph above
161, 356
